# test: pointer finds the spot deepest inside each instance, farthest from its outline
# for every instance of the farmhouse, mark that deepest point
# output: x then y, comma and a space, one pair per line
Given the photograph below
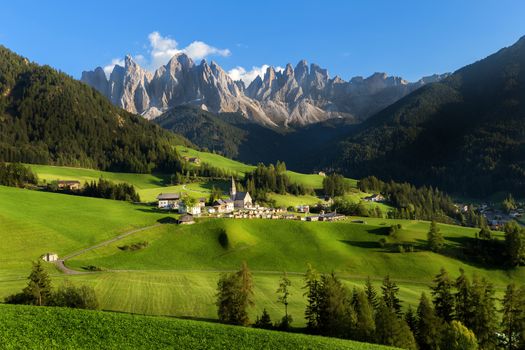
72, 185
186, 220
193, 210
168, 200
223, 206
50, 257
193, 160
241, 200
303, 209
331, 217
375, 198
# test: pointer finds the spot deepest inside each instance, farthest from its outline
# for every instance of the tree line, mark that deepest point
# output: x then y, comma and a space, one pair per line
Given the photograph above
101, 189
335, 185
189, 174
459, 314
16, 175
423, 203
40, 292
272, 178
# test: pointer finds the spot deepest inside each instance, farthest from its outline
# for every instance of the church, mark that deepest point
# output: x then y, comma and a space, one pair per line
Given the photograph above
241, 200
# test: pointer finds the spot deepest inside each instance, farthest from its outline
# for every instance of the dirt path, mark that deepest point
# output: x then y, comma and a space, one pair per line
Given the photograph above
61, 263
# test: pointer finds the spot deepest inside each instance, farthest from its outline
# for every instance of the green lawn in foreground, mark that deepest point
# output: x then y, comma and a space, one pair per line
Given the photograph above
31, 327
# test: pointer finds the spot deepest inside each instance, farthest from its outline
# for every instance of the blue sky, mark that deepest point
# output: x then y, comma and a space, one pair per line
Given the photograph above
406, 38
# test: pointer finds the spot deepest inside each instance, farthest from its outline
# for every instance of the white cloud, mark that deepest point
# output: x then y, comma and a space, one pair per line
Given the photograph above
163, 48
239, 73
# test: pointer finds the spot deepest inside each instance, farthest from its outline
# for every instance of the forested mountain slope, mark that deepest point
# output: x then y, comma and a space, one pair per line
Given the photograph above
48, 117
465, 134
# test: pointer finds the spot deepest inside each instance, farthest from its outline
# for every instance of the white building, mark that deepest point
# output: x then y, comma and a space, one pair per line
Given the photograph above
50, 257
193, 210
168, 200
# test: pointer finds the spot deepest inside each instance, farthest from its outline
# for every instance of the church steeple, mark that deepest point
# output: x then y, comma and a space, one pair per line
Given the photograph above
233, 190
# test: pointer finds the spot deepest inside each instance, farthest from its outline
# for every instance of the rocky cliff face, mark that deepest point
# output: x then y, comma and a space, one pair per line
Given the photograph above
295, 96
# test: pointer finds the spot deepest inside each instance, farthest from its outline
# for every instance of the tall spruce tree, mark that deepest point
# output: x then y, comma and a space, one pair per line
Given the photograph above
513, 318
234, 296
371, 293
336, 316
39, 289
463, 299
456, 336
365, 324
514, 243
443, 298
435, 238
429, 326
484, 319
390, 298
411, 320
312, 294
391, 330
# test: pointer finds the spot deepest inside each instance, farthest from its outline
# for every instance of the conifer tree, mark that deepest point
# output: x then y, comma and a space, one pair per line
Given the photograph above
463, 299
411, 320
264, 322
365, 324
513, 318
336, 316
456, 336
435, 238
443, 298
390, 298
312, 293
38, 290
484, 320
429, 326
371, 293
391, 330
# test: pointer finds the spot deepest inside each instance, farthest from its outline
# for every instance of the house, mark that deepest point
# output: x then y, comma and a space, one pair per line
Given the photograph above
186, 220
72, 185
321, 173
201, 202
168, 200
375, 198
193, 160
50, 257
223, 206
241, 200
331, 217
312, 218
193, 210
303, 209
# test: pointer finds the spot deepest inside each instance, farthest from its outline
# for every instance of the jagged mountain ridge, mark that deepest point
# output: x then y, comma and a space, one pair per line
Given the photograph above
295, 96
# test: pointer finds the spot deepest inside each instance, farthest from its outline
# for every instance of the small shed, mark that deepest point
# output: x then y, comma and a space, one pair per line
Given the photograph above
50, 257
186, 220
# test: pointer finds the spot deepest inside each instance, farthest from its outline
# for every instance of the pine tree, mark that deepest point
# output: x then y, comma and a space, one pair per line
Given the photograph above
513, 318
234, 296
38, 290
284, 293
442, 296
484, 320
264, 322
371, 293
312, 287
365, 326
435, 238
428, 325
463, 299
514, 243
245, 292
336, 316
391, 330
411, 320
390, 298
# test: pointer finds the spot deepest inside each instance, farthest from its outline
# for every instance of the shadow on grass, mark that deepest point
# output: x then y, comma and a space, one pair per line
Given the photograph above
362, 244
167, 220
381, 231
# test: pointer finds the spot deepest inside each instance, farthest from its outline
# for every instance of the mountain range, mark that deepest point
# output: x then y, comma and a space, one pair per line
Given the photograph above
291, 97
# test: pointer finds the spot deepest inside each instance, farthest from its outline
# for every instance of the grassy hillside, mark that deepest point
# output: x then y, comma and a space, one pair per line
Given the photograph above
177, 273
39, 327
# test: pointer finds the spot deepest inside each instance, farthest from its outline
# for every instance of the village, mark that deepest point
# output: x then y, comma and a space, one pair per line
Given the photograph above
239, 205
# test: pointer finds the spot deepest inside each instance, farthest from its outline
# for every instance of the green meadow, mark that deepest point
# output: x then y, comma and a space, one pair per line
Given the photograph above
177, 273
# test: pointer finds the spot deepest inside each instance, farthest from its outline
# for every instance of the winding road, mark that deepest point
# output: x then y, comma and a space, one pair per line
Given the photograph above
61, 262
